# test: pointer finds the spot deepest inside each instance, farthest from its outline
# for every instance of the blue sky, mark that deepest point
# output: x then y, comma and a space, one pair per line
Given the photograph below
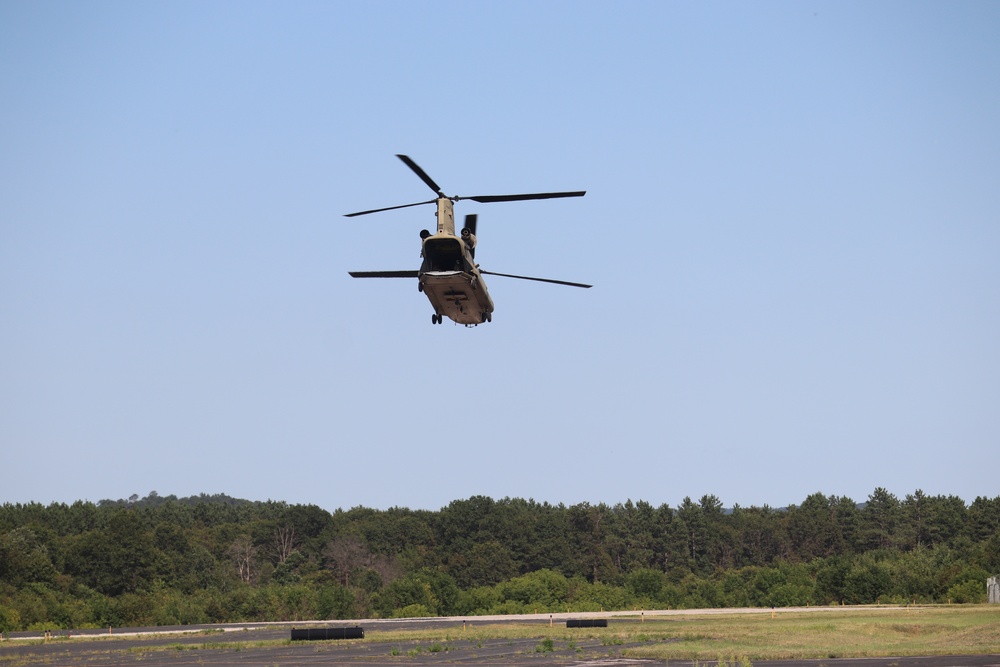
792, 225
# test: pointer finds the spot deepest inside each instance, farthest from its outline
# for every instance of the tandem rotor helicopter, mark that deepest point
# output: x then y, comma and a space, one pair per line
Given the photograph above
449, 275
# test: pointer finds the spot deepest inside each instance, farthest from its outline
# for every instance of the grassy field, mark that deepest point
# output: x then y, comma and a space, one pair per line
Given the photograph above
738, 638
705, 639
899, 632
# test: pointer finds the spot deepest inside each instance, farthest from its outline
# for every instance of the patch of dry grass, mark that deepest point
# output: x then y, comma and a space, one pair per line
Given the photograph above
851, 633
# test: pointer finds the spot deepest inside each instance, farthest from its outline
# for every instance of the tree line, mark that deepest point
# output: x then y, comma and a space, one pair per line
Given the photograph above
212, 559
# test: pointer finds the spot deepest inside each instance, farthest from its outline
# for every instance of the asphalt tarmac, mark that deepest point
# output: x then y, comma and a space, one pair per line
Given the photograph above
236, 645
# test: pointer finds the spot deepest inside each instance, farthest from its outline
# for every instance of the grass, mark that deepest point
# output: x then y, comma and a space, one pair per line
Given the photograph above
869, 633
708, 640
736, 640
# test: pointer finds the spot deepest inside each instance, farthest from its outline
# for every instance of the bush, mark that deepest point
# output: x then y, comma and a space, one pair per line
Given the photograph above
478, 600
789, 595
544, 589
973, 592
598, 596
9, 619
645, 583
412, 611
336, 602
700, 593
737, 588
866, 583
510, 607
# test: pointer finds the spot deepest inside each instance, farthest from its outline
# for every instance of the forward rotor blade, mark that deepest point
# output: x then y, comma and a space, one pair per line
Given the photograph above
422, 174
541, 280
389, 208
383, 274
488, 199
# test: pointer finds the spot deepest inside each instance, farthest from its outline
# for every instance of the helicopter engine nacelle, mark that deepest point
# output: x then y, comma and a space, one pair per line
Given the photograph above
424, 234
469, 238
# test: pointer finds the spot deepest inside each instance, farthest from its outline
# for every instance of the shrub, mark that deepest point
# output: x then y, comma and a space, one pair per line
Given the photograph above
412, 611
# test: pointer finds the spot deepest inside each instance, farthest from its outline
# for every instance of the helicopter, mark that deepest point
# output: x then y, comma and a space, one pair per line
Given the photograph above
449, 276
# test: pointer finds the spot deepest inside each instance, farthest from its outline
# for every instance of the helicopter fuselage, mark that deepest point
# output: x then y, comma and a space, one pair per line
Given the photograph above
449, 276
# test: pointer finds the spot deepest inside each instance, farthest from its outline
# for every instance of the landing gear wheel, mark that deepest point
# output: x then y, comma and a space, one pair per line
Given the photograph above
435, 319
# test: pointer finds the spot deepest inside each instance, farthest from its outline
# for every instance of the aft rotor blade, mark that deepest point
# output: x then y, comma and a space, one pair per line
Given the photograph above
422, 174
389, 208
541, 280
383, 274
488, 199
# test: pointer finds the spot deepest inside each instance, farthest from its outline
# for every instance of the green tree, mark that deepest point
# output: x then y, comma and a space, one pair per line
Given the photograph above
120, 559
848, 517
812, 529
588, 535
879, 520
759, 535
24, 559
485, 564
983, 519
708, 541
632, 536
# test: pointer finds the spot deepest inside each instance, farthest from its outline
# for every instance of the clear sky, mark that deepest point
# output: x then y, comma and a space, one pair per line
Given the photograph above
792, 223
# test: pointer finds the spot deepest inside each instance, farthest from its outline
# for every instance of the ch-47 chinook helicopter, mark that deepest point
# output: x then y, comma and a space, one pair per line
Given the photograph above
449, 275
